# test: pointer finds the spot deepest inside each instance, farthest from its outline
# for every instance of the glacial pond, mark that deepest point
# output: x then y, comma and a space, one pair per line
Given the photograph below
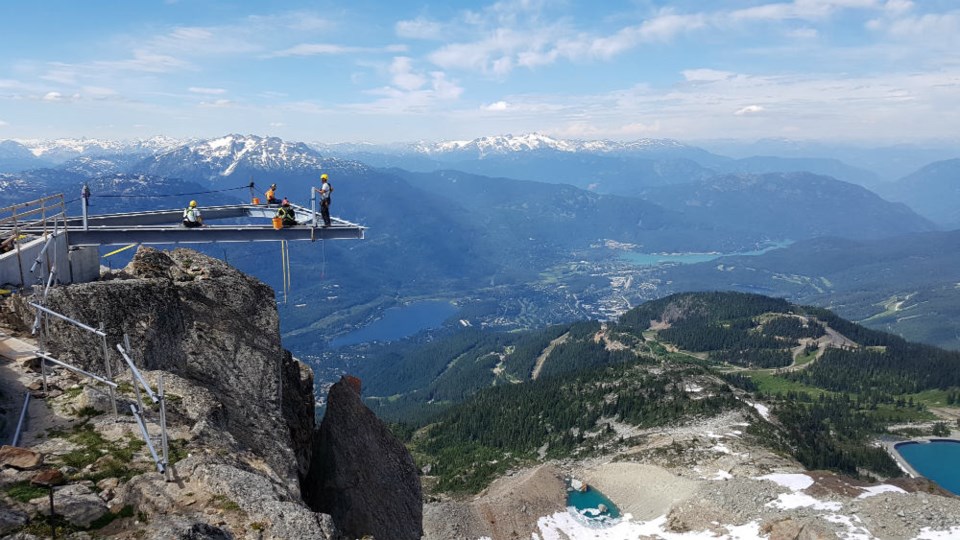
653, 259
400, 322
936, 460
592, 506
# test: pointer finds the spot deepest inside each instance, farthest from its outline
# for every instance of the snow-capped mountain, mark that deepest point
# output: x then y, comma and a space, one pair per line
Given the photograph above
61, 150
504, 144
248, 157
509, 144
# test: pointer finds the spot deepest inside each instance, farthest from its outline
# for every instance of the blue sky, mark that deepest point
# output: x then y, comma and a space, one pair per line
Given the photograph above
851, 70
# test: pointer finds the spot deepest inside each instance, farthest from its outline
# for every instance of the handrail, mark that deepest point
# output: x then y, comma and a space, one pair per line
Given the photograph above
146, 437
23, 418
76, 369
136, 373
41, 200
68, 319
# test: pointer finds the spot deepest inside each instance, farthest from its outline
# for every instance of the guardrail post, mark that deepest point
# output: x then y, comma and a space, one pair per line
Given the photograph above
133, 375
109, 368
85, 198
41, 320
16, 244
163, 428
22, 421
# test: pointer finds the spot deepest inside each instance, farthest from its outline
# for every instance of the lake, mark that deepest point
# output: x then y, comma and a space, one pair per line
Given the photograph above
400, 322
587, 506
653, 259
936, 460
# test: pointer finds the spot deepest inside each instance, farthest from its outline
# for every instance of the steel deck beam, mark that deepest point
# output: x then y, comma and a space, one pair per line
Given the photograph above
165, 227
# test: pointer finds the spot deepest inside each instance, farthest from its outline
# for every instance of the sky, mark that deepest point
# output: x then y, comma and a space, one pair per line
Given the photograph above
398, 71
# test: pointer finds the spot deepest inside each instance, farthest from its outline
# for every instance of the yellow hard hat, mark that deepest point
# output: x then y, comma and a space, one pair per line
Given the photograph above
193, 204
323, 176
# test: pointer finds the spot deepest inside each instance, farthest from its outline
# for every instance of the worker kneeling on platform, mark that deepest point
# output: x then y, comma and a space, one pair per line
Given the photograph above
286, 214
271, 195
191, 216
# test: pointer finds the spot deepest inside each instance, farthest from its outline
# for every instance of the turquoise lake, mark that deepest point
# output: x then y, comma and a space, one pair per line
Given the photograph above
400, 322
653, 259
937, 460
587, 502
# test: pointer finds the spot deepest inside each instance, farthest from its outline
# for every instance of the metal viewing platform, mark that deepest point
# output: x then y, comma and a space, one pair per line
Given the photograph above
40, 234
165, 227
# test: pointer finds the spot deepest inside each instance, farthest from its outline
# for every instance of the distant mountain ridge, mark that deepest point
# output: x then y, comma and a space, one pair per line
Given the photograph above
785, 204
64, 149
933, 191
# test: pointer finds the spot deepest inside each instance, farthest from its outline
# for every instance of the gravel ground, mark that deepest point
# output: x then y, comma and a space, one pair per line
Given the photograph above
705, 478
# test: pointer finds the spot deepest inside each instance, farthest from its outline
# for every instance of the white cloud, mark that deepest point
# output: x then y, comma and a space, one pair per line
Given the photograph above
436, 89
217, 103
402, 75
145, 61
313, 49
99, 92
2, 123
800, 9
930, 27
749, 110
695, 75
803, 33
419, 28
207, 91
53, 96
497, 106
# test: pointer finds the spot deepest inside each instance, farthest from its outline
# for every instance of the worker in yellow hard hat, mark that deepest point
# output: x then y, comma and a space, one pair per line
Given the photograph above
191, 216
325, 190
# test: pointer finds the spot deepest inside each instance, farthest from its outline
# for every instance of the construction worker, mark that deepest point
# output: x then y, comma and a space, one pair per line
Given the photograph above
191, 216
325, 190
272, 194
286, 213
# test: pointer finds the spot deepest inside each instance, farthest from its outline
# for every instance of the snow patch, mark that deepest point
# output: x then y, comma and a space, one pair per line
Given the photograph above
563, 525
762, 409
722, 448
876, 490
721, 475
927, 533
793, 482
855, 528
790, 501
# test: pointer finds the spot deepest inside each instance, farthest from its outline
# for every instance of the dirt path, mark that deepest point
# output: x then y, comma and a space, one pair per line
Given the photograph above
14, 379
542, 359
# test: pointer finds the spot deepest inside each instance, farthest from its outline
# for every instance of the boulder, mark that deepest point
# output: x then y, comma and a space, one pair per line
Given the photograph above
363, 476
48, 477
11, 520
23, 459
75, 503
94, 398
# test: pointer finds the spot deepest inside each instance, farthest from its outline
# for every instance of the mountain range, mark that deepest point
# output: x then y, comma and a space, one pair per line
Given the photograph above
449, 233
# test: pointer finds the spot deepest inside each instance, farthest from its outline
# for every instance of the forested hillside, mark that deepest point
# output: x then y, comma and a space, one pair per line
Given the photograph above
474, 409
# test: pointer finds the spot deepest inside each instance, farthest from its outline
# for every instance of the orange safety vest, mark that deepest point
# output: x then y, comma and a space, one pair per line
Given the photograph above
270, 194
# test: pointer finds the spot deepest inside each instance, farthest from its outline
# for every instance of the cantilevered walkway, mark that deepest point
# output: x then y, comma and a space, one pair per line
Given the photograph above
165, 227
66, 245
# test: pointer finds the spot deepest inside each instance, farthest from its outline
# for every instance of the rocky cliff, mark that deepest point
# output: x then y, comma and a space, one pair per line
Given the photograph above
240, 411
363, 478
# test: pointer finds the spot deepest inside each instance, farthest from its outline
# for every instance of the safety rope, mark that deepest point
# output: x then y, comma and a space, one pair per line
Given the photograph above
172, 194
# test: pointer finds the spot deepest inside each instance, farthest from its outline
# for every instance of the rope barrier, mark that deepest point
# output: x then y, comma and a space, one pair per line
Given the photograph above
168, 195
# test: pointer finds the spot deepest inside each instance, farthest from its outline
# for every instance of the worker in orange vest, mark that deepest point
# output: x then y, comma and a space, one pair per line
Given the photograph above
272, 194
